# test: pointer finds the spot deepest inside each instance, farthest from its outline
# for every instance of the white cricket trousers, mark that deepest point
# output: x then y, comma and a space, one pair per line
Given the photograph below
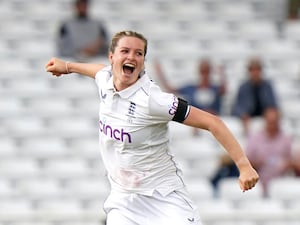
135, 209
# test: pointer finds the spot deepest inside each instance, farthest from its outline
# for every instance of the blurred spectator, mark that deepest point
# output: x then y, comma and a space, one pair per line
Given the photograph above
293, 9
254, 95
81, 37
295, 161
204, 94
269, 149
226, 168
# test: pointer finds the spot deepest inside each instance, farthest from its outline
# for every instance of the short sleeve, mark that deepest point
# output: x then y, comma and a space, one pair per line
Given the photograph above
102, 76
162, 105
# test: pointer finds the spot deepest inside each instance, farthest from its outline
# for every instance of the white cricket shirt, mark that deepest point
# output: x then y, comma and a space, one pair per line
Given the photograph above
133, 136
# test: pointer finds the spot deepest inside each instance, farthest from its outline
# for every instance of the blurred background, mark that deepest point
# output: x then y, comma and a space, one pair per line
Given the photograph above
51, 171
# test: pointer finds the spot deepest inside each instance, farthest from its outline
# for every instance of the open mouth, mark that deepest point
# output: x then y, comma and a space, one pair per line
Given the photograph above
128, 68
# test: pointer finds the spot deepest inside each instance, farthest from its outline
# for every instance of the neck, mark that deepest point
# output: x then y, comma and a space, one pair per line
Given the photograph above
82, 17
272, 133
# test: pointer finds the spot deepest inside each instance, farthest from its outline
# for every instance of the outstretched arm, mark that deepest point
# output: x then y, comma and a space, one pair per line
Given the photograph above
204, 120
159, 72
59, 67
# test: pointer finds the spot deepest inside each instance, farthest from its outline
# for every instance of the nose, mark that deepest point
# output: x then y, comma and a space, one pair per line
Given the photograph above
131, 55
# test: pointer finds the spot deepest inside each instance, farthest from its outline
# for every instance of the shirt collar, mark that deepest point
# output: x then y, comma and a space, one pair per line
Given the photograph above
110, 83
126, 93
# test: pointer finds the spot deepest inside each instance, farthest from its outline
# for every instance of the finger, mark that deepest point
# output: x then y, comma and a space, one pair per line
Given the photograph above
246, 185
50, 68
241, 186
251, 184
50, 63
56, 74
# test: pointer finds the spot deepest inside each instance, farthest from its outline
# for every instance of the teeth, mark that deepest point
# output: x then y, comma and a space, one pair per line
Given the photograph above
129, 65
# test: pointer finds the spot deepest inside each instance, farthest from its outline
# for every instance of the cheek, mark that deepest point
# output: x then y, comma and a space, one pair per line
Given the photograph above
114, 59
115, 63
142, 63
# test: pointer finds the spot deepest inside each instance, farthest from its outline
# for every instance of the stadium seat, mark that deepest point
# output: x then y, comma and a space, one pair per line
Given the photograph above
234, 124
60, 209
240, 222
68, 168
265, 208
8, 147
7, 190
31, 223
254, 30
189, 12
26, 88
49, 106
67, 211
86, 106
35, 48
88, 189
241, 12
178, 130
229, 189
44, 147
25, 126
283, 222
74, 87
40, 189
86, 148
215, 209
200, 189
73, 127
291, 68
277, 49
11, 106
286, 89
256, 124
208, 30
84, 223
19, 168
285, 189
18, 209
292, 30
227, 49
291, 109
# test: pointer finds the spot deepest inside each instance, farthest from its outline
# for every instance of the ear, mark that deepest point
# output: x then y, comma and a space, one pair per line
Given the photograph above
110, 57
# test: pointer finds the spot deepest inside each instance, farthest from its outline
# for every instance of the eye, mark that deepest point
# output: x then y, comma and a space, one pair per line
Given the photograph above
139, 54
124, 51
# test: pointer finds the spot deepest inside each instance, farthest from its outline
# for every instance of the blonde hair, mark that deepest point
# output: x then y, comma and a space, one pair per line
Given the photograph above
115, 39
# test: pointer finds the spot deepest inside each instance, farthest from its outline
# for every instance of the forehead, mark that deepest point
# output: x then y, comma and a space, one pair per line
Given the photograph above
132, 43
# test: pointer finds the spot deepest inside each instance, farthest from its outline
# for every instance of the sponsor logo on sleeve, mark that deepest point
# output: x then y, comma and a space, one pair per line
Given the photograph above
174, 106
